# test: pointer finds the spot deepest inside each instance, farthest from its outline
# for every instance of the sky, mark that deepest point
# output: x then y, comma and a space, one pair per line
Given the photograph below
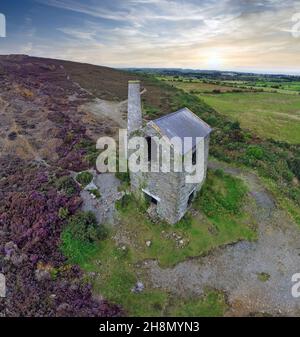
244, 35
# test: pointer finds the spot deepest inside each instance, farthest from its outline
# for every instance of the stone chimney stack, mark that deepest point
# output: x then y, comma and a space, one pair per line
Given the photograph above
134, 106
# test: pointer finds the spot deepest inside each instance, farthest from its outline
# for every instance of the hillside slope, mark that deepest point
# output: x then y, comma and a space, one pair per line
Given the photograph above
45, 132
51, 114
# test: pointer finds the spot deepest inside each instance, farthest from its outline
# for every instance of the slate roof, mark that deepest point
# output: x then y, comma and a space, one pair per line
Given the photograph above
182, 123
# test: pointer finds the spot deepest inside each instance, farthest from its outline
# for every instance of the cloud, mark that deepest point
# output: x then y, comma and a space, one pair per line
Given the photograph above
175, 33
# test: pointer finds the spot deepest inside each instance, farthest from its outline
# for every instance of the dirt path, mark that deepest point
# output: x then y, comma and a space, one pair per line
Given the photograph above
234, 269
116, 111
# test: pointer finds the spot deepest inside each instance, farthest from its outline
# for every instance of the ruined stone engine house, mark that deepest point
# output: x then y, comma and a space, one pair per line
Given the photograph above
168, 193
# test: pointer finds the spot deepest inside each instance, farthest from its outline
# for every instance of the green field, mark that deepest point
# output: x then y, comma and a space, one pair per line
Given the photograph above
269, 115
201, 87
293, 85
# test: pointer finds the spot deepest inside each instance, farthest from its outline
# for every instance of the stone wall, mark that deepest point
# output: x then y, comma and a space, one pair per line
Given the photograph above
186, 189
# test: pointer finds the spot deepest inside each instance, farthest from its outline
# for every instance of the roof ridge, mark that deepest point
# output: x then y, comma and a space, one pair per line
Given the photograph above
178, 111
167, 115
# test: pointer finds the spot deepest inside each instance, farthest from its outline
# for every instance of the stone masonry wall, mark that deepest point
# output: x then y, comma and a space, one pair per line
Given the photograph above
134, 106
171, 188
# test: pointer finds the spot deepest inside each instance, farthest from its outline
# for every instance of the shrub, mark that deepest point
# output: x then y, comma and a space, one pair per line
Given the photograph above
84, 178
287, 175
235, 126
63, 213
255, 152
124, 202
123, 176
66, 184
212, 120
294, 165
95, 192
84, 227
90, 150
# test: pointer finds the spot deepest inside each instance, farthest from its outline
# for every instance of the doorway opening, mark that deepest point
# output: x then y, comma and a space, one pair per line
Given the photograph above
152, 199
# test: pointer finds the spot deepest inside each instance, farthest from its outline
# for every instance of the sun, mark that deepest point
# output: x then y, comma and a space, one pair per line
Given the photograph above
215, 60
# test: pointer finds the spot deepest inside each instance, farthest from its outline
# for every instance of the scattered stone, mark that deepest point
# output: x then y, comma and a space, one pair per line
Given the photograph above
138, 288
42, 275
18, 259
64, 308
12, 136
92, 274
148, 243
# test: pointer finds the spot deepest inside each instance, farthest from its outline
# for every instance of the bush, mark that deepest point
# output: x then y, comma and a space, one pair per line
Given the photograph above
95, 192
66, 184
63, 213
123, 176
294, 165
287, 175
255, 152
90, 150
85, 228
212, 120
124, 202
235, 126
84, 178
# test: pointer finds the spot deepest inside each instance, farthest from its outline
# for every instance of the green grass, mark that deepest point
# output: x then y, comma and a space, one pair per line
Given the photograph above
269, 115
212, 304
118, 275
221, 199
119, 269
263, 277
78, 252
292, 86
